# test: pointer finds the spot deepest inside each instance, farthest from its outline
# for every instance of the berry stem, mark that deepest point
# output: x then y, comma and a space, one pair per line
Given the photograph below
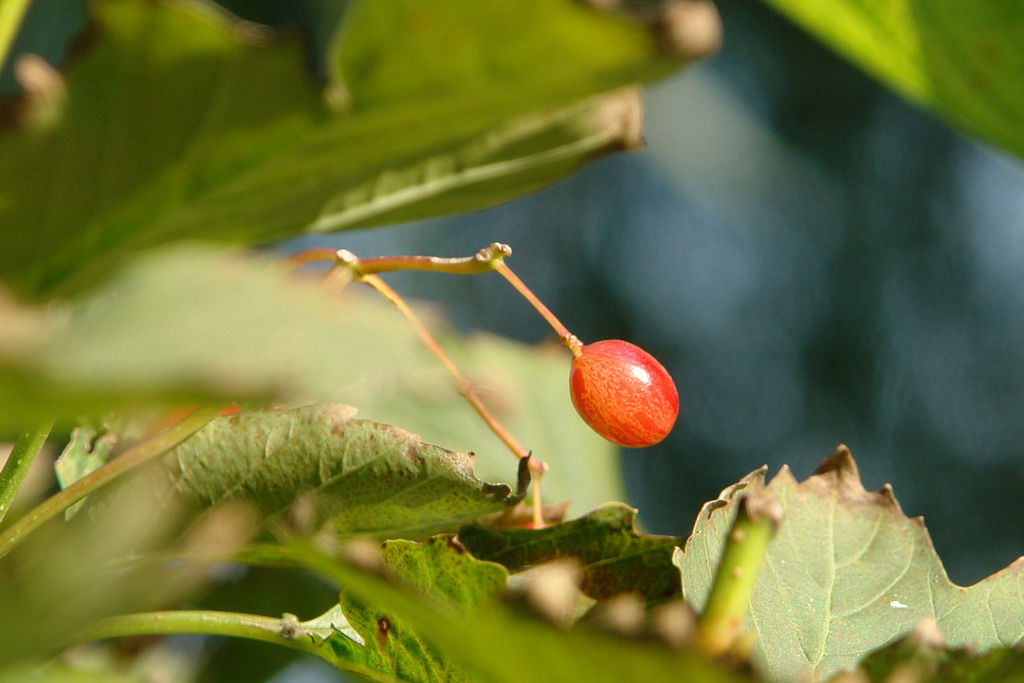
142, 453
301, 258
462, 384
484, 261
721, 623
24, 453
570, 340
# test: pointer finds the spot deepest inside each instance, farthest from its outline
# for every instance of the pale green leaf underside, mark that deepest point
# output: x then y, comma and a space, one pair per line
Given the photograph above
962, 59
182, 122
847, 573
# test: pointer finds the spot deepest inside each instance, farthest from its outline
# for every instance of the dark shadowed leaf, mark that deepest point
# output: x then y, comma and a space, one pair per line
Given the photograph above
847, 573
614, 558
924, 657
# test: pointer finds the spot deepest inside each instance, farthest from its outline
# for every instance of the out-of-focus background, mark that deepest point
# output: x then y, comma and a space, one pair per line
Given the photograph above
814, 260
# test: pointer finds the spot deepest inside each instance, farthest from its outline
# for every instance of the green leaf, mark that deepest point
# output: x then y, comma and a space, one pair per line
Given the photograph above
439, 568
847, 573
318, 466
960, 59
177, 121
493, 642
615, 559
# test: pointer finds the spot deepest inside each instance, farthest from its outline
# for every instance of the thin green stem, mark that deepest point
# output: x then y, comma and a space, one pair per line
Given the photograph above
143, 453
745, 548
570, 340
287, 631
12, 12
26, 448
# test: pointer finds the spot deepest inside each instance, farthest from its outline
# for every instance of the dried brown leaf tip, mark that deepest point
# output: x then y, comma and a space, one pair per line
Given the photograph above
44, 94
838, 472
620, 113
552, 591
692, 28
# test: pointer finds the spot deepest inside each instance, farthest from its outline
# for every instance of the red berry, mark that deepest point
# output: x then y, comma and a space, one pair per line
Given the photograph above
623, 393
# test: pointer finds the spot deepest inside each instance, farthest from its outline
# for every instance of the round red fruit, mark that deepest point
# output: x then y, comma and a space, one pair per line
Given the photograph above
623, 393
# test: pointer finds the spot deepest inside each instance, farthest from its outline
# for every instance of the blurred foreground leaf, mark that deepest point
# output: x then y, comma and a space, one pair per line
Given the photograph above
614, 558
176, 121
66, 576
187, 325
493, 642
961, 59
847, 573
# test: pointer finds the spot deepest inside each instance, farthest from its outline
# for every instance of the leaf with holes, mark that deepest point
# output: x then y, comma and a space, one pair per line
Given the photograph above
847, 573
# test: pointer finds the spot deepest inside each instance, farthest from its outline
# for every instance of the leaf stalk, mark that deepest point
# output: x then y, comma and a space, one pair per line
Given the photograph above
721, 624
286, 631
24, 453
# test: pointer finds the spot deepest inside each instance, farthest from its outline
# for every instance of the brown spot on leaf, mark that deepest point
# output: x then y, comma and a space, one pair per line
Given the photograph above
383, 629
413, 455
